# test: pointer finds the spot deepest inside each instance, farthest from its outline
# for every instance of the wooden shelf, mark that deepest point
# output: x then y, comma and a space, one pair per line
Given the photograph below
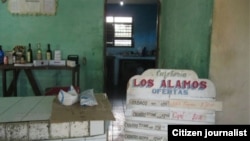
12, 89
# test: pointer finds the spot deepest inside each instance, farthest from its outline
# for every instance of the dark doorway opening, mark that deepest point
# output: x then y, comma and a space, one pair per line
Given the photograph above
131, 60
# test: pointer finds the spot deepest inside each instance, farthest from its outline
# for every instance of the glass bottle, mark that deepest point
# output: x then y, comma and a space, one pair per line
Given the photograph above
49, 53
1, 56
29, 55
39, 52
14, 57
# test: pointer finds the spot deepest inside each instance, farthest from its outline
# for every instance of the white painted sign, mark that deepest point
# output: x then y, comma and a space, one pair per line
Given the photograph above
157, 126
175, 88
178, 103
173, 114
165, 73
134, 136
160, 97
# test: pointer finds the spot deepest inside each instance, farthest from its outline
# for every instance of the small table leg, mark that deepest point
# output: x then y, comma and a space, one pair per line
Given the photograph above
4, 83
13, 85
75, 76
16, 74
33, 82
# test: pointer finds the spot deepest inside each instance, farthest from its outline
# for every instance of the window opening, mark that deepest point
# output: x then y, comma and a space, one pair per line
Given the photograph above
119, 31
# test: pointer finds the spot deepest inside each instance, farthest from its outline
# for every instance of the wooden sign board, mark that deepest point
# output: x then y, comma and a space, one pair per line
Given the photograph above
205, 116
170, 88
165, 73
133, 136
140, 125
178, 103
167, 96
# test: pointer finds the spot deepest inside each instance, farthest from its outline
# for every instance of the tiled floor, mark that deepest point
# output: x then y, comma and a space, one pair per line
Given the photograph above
117, 97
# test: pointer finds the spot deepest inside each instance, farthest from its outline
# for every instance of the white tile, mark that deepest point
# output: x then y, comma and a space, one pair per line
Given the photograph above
38, 130
20, 109
75, 139
6, 103
2, 132
79, 129
59, 130
40, 111
54, 140
17, 131
97, 138
97, 127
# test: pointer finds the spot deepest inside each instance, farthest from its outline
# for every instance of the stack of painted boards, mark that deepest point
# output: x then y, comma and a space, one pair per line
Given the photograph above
44, 118
162, 97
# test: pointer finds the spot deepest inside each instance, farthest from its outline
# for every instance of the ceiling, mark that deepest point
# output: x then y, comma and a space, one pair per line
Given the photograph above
132, 1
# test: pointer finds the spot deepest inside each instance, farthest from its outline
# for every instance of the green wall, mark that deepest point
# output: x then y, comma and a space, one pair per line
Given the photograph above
77, 28
185, 30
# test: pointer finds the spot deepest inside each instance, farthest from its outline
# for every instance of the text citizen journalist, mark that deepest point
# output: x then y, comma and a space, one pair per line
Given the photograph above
206, 133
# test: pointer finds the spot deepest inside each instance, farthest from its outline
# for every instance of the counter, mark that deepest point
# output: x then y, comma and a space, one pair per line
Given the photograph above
44, 118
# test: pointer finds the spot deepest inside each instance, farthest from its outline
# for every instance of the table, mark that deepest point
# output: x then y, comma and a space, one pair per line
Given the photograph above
12, 89
33, 118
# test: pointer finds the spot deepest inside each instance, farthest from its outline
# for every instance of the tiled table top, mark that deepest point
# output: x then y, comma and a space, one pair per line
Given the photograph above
22, 117
34, 108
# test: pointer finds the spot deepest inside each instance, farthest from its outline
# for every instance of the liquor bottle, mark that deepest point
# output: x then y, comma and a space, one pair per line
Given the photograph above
49, 53
29, 55
1, 56
14, 57
39, 55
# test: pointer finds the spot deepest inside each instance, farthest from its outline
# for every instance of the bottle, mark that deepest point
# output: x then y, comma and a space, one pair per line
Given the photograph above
14, 57
49, 53
39, 52
1, 56
29, 55
5, 60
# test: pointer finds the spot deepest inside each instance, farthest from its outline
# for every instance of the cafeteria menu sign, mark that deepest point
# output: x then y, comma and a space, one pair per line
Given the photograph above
160, 97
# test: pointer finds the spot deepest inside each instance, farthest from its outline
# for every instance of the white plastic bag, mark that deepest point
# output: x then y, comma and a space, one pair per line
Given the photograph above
87, 98
72, 90
68, 98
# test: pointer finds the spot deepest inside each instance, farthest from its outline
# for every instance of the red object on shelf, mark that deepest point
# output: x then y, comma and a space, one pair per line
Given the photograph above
55, 90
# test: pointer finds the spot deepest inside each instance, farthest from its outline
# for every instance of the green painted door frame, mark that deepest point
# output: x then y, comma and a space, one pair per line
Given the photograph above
185, 32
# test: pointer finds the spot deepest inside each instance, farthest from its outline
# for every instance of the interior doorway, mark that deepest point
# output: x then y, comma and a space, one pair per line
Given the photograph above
122, 62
